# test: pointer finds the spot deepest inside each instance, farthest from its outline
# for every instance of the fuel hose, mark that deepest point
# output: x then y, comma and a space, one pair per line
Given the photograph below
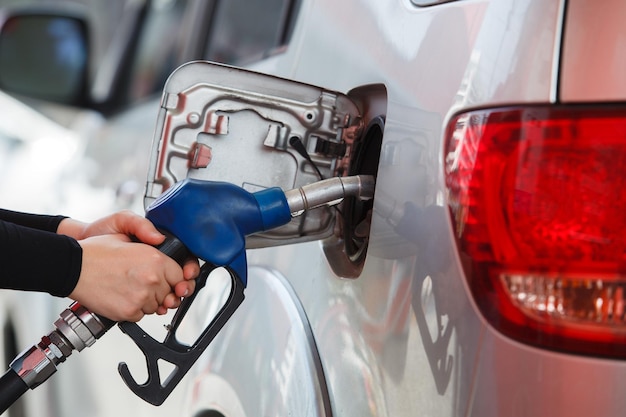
12, 388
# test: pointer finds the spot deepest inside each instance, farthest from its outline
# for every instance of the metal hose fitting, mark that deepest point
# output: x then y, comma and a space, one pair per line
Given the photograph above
77, 328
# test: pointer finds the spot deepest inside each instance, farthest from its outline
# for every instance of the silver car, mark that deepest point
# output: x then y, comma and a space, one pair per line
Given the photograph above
486, 276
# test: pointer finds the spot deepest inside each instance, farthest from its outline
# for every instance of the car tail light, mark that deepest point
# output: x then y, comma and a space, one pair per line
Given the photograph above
538, 201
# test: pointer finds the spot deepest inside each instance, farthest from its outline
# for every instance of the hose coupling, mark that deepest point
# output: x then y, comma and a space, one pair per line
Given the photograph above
77, 328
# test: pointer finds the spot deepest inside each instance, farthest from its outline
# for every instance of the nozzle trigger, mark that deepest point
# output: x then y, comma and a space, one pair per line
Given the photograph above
156, 389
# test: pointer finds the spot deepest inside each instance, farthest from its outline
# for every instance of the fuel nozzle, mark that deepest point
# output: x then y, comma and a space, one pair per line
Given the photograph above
213, 219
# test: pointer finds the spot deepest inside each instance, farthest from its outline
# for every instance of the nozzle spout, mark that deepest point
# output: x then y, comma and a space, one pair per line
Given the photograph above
329, 192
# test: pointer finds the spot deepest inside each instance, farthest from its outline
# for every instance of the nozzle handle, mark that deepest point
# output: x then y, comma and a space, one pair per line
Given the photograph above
174, 248
157, 388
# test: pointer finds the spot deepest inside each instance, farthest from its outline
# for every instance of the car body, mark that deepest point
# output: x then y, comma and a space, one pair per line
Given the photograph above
413, 323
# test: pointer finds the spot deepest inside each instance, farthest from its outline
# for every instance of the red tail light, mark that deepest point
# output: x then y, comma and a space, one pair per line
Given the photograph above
538, 199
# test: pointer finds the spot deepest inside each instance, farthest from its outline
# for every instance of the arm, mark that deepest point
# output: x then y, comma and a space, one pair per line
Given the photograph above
57, 266
33, 221
95, 264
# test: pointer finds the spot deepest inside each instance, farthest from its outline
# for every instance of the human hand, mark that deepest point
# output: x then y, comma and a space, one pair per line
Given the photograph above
127, 223
124, 280
135, 278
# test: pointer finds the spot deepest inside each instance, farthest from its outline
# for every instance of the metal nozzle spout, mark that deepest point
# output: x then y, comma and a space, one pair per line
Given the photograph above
329, 192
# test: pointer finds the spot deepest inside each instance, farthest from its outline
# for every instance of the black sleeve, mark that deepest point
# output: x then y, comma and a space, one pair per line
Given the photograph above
37, 260
34, 221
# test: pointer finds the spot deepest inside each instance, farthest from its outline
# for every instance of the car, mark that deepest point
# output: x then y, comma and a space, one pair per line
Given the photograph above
485, 277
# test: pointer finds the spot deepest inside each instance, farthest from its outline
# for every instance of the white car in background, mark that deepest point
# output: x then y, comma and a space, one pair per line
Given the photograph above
487, 277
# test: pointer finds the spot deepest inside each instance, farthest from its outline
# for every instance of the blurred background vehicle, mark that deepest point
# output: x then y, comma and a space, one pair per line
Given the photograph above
420, 305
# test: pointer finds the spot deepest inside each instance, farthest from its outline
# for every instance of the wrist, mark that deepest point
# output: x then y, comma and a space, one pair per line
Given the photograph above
72, 228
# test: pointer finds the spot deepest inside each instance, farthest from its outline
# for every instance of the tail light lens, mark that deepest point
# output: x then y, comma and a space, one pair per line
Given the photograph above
538, 200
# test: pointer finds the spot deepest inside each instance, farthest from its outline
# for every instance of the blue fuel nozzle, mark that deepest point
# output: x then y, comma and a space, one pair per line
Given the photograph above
211, 220
214, 218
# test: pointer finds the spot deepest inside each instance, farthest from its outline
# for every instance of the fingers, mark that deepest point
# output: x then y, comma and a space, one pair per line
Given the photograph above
124, 222
176, 287
132, 224
191, 269
180, 290
173, 299
184, 288
170, 301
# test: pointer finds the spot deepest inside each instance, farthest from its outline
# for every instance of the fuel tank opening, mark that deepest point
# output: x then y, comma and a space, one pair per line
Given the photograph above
347, 249
357, 213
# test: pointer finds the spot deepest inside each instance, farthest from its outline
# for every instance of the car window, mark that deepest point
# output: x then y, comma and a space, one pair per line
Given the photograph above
156, 55
243, 31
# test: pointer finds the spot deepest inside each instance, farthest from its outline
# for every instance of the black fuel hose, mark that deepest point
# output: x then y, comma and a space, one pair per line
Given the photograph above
11, 389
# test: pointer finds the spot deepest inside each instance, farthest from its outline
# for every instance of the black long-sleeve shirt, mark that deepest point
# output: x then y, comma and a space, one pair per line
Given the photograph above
34, 258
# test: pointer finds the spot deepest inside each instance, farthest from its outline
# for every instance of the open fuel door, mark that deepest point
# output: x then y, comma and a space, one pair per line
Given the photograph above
222, 123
